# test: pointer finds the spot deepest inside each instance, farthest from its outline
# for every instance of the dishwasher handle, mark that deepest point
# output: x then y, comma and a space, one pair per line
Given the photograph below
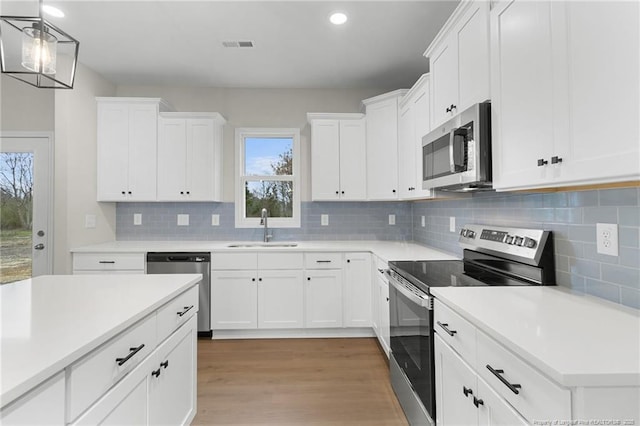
168, 257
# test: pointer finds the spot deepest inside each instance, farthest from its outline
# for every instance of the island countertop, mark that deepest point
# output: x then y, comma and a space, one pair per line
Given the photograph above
48, 322
576, 340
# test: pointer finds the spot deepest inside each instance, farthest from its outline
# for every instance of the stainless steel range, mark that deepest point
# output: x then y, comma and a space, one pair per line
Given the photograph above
493, 256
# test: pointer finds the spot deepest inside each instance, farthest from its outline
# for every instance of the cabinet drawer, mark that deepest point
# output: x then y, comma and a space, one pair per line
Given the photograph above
461, 334
537, 397
94, 374
108, 261
177, 312
323, 260
234, 261
280, 261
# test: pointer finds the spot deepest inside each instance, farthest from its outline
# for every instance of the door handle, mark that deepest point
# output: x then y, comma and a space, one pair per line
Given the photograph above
39, 246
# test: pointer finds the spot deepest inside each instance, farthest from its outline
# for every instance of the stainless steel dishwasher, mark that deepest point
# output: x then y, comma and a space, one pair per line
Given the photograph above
188, 263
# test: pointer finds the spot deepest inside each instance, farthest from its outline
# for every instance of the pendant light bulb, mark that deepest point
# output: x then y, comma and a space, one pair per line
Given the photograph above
38, 50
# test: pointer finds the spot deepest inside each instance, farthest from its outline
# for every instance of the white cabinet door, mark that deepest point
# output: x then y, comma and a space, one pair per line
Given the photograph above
385, 326
444, 80
172, 159
323, 298
421, 118
472, 37
455, 388
604, 103
353, 173
113, 151
202, 173
357, 290
522, 92
43, 405
280, 299
406, 151
172, 383
495, 411
325, 158
143, 142
382, 149
234, 300
375, 301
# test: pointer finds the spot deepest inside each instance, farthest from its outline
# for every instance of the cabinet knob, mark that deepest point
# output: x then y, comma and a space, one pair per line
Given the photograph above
259, 279
393, 190
156, 373
348, 260
129, 192
342, 192
123, 192
181, 192
477, 402
188, 192
308, 278
556, 160
164, 364
542, 162
337, 192
253, 279
466, 391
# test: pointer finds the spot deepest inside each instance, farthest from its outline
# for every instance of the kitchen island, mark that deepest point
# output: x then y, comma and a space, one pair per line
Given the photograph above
72, 344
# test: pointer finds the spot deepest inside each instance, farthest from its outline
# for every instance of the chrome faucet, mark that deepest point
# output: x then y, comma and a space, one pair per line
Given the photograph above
263, 221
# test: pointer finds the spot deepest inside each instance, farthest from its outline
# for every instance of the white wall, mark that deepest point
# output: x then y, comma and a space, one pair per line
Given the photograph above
75, 169
24, 107
258, 108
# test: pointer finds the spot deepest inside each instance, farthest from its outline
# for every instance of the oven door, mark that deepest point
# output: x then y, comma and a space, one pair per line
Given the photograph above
411, 319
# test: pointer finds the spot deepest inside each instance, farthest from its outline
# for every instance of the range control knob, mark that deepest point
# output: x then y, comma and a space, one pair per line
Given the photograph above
463, 232
529, 242
471, 234
518, 241
508, 239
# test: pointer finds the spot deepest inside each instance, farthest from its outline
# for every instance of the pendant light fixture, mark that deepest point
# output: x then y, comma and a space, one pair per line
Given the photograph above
37, 52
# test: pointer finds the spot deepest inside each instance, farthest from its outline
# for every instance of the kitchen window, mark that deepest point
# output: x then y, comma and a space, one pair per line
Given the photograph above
267, 161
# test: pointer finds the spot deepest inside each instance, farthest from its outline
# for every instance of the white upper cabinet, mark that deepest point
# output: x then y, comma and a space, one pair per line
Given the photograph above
413, 124
338, 150
459, 61
382, 145
561, 119
190, 157
127, 141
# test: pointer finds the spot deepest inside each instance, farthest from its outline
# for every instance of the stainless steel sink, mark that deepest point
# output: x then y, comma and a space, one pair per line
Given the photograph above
262, 245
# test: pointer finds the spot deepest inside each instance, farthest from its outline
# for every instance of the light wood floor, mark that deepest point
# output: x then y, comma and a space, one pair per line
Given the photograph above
295, 382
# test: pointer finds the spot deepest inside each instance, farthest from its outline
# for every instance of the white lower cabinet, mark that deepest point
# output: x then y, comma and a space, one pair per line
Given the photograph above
280, 296
234, 300
380, 304
357, 290
323, 298
172, 392
462, 398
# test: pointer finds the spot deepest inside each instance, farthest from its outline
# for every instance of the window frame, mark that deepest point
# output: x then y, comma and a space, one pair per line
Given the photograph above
240, 177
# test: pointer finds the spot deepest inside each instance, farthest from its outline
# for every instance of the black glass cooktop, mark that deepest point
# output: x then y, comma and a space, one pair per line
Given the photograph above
451, 273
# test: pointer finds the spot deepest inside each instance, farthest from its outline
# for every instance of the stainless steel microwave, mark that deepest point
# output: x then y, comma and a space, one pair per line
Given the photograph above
456, 156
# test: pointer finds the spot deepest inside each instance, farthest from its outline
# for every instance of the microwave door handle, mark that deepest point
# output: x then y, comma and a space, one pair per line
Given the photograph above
452, 161
456, 162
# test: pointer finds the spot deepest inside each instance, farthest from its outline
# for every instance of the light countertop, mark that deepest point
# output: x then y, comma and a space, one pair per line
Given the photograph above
386, 250
574, 339
48, 322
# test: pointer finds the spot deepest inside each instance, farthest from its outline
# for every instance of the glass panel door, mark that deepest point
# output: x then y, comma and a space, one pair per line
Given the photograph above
25, 203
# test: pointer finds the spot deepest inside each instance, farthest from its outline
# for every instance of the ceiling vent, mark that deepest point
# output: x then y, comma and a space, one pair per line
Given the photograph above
237, 44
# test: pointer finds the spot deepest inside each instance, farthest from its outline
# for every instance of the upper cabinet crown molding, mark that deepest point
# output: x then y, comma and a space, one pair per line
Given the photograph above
215, 116
415, 89
450, 25
383, 97
163, 106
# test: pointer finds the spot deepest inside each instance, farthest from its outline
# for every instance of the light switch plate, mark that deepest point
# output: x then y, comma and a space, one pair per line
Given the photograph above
392, 219
607, 238
422, 221
452, 224
137, 219
215, 220
183, 220
324, 220
90, 221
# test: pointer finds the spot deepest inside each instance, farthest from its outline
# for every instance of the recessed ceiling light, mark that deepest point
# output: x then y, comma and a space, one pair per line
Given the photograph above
52, 11
338, 18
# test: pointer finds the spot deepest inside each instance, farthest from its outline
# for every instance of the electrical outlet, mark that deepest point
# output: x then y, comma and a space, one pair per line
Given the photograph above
422, 221
607, 238
324, 220
183, 220
137, 219
392, 219
452, 224
90, 221
215, 220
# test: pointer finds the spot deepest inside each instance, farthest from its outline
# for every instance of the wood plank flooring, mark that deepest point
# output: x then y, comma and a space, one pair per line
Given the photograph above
295, 382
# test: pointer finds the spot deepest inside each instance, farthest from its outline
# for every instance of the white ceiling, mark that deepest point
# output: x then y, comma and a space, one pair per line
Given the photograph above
179, 43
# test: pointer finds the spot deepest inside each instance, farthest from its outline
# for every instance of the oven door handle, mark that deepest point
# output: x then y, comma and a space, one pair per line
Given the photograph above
425, 303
